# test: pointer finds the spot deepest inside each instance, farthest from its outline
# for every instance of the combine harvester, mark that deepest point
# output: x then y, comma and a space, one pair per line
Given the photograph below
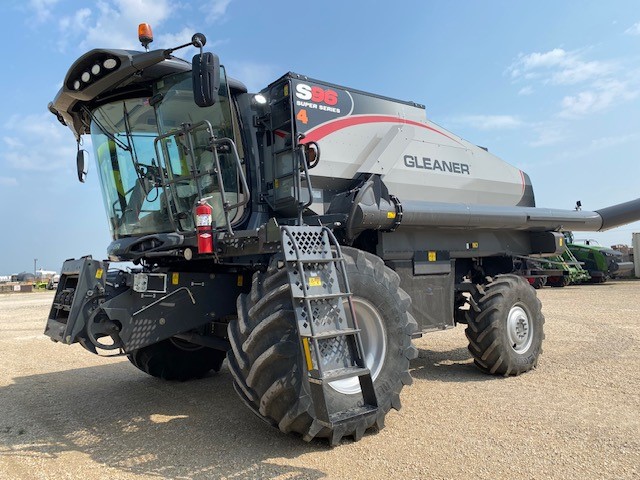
305, 233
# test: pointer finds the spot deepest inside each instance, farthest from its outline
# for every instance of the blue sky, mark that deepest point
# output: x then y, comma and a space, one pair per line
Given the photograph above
551, 87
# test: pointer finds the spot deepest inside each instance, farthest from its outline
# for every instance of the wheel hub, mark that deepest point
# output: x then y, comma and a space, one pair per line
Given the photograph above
519, 329
374, 342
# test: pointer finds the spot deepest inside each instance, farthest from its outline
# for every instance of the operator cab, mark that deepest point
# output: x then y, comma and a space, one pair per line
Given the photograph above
155, 159
164, 135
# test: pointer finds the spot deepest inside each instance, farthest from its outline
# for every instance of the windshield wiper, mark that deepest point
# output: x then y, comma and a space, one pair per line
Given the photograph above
108, 134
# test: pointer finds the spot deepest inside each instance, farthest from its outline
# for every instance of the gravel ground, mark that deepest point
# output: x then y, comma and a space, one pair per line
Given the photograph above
65, 413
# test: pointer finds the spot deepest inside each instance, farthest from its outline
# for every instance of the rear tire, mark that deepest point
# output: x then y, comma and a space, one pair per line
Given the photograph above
558, 282
267, 362
505, 336
539, 282
175, 359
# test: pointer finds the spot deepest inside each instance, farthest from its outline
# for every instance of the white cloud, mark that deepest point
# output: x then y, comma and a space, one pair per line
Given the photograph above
601, 84
215, 10
111, 24
53, 150
577, 72
75, 22
114, 23
601, 96
633, 30
41, 9
13, 143
71, 25
489, 122
167, 40
558, 67
548, 135
8, 182
601, 143
541, 60
608, 142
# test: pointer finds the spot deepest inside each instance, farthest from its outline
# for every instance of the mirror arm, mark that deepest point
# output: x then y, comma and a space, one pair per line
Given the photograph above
198, 40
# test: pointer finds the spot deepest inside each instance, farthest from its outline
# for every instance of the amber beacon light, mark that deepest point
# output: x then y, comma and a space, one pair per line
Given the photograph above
145, 35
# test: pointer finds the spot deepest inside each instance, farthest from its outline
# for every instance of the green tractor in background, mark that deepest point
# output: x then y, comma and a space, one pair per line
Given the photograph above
599, 262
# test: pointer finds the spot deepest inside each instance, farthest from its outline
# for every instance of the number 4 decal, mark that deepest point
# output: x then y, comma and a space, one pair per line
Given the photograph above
302, 116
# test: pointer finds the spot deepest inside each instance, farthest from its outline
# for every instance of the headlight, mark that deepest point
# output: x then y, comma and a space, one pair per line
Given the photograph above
95, 69
110, 63
86, 76
260, 99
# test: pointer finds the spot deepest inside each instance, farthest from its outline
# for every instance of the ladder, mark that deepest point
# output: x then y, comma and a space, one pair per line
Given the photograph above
329, 334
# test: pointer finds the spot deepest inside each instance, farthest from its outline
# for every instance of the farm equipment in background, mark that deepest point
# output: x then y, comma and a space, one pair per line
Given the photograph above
601, 263
574, 274
305, 233
52, 284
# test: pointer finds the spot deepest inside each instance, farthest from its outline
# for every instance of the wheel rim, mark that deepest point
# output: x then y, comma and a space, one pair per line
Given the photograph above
519, 329
374, 342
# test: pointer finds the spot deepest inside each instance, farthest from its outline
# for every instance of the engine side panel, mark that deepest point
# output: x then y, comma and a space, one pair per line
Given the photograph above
360, 133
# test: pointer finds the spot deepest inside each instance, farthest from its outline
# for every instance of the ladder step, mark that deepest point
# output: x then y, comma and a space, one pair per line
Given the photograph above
317, 260
301, 296
333, 333
352, 413
341, 374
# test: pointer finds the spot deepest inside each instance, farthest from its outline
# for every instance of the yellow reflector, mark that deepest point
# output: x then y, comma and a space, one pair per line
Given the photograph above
240, 280
307, 353
315, 282
175, 278
99, 273
391, 214
432, 256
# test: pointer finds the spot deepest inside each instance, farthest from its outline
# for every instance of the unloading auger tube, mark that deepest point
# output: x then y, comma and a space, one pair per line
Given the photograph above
460, 215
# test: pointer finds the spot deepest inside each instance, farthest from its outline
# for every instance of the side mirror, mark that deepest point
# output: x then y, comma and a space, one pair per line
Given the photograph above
81, 162
206, 78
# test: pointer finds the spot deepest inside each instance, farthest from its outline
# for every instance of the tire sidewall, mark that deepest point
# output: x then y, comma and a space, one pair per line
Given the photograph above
523, 296
365, 285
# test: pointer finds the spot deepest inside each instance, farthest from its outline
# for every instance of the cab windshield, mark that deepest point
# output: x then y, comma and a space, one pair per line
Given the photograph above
153, 187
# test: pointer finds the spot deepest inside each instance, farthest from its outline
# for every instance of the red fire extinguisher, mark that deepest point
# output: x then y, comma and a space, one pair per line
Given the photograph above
204, 215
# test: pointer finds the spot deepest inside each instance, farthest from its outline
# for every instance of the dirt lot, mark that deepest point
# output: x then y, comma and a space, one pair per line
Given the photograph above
65, 413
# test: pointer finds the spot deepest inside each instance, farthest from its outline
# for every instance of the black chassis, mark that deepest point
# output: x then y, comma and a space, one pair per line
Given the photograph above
127, 310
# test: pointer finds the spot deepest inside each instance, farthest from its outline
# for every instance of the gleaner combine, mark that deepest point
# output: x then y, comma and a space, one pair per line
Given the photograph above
306, 233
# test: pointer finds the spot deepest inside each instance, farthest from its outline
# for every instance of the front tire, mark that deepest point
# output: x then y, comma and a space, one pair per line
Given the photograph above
267, 363
505, 336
